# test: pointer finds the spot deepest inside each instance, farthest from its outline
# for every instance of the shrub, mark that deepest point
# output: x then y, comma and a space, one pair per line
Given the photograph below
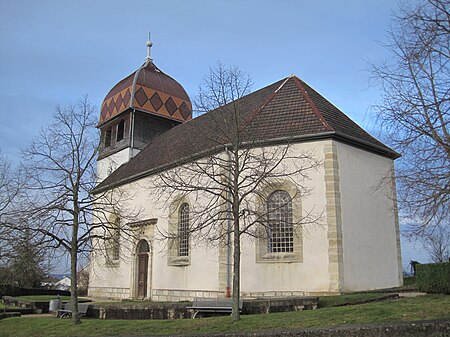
434, 277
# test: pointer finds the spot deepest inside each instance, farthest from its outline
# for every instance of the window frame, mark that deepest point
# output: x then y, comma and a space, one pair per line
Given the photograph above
183, 230
108, 137
120, 130
113, 242
263, 251
174, 223
280, 238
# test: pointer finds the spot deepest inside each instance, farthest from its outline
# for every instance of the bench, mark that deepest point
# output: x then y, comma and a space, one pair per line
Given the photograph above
67, 311
203, 307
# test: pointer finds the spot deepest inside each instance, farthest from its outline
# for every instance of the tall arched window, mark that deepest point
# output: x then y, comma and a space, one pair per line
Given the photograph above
280, 230
143, 247
116, 240
183, 230
112, 241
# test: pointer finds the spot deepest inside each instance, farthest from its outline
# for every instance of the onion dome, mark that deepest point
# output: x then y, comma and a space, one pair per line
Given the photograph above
150, 90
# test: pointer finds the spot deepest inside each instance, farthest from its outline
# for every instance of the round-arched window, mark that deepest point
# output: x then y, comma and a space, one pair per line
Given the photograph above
143, 247
183, 230
280, 230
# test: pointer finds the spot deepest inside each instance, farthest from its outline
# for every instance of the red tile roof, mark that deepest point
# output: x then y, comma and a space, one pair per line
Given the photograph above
286, 111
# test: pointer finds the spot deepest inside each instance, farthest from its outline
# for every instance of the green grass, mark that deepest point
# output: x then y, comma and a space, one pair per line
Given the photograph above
2, 306
43, 298
331, 301
408, 309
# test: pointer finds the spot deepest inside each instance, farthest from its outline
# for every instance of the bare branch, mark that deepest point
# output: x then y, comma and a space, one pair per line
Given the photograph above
227, 188
415, 110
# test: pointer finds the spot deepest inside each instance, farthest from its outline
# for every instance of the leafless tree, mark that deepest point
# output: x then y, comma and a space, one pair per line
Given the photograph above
83, 281
10, 188
28, 262
414, 110
226, 185
6, 196
60, 167
436, 242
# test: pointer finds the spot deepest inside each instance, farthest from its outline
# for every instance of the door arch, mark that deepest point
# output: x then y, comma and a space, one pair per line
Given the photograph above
142, 253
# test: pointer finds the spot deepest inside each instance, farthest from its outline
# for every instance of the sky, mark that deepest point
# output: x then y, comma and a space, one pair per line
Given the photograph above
54, 52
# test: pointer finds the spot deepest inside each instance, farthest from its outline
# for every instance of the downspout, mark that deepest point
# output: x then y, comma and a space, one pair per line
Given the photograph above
131, 135
228, 293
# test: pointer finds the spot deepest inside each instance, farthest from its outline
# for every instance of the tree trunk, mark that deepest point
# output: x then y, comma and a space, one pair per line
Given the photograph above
73, 286
236, 271
73, 266
237, 236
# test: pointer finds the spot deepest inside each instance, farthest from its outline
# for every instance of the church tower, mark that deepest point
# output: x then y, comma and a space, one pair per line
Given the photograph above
138, 108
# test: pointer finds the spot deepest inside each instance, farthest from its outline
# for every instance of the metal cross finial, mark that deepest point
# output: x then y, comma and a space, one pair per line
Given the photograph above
149, 45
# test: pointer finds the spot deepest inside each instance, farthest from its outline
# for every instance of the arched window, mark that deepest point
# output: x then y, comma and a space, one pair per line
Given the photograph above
183, 230
280, 229
143, 247
112, 241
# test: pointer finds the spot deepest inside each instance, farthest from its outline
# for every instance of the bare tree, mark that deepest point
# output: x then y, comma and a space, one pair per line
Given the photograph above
415, 110
436, 242
227, 183
10, 188
28, 263
60, 166
6, 197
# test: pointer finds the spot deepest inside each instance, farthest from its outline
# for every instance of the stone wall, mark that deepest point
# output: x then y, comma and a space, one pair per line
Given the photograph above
170, 295
183, 310
109, 292
166, 295
285, 294
140, 311
279, 305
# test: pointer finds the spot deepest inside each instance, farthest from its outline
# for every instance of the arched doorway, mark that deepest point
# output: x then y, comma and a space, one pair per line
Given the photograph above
142, 262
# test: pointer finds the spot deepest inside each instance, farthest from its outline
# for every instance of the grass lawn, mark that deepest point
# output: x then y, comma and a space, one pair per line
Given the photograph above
2, 306
330, 301
44, 298
408, 309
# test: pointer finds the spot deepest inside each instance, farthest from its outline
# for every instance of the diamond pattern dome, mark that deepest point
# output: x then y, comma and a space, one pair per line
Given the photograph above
149, 90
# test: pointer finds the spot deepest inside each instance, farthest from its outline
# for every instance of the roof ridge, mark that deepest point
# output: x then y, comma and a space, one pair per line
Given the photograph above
316, 111
254, 113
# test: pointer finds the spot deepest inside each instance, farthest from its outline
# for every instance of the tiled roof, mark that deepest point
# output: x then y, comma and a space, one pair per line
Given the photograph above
149, 90
286, 111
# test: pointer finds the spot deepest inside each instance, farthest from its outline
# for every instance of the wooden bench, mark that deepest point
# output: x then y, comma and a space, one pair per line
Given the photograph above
203, 307
67, 311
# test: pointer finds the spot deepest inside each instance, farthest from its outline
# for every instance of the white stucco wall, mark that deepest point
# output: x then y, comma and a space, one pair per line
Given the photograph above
199, 275
108, 164
368, 220
369, 241
311, 274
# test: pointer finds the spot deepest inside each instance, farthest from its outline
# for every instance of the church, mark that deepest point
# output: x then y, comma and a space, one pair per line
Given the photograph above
147, 129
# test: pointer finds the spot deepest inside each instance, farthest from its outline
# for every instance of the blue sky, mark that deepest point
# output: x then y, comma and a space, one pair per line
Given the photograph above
53, 52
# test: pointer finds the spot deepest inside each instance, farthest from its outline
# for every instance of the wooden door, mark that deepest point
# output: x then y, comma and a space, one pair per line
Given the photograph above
142, 275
